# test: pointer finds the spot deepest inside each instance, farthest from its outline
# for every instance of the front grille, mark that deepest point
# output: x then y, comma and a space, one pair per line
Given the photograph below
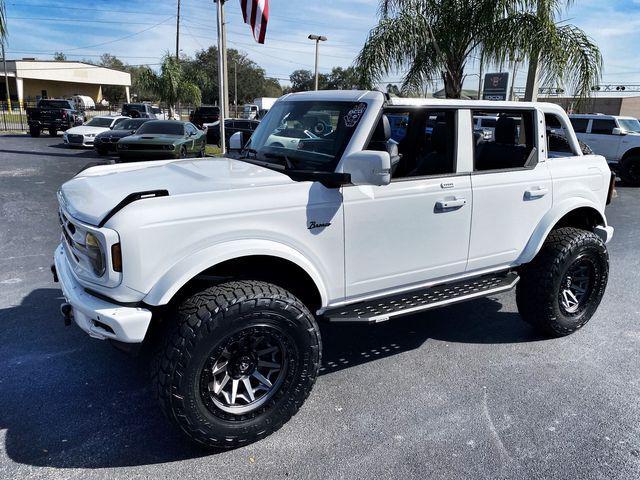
142, 146
75, 138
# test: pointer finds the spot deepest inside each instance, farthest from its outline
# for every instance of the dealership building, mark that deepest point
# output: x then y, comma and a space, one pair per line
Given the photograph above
31, 80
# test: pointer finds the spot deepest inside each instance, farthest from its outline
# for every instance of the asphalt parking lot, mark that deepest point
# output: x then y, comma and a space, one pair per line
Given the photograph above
469, 391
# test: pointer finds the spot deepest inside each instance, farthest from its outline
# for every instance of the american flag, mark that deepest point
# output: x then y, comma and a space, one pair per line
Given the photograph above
256, 14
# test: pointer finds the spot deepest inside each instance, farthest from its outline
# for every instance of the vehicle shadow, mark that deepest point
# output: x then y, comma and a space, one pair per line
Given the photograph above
72, 402
69, 153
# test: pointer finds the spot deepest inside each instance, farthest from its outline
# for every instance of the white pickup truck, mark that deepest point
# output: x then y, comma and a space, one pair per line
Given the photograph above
614, 137
226, 265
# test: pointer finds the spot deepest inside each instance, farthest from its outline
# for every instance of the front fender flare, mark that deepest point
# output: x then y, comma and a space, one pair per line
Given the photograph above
180, 273
547, 223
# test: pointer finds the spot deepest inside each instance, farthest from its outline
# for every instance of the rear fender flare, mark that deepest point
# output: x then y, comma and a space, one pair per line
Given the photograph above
549, 221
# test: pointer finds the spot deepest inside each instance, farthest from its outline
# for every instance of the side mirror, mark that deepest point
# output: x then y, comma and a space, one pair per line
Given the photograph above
236, 141
369, 167
618, 131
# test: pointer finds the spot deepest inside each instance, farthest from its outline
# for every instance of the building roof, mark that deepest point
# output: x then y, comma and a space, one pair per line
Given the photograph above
67, 71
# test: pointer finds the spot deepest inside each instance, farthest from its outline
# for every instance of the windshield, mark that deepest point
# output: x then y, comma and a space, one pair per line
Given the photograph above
307, 135
100, 122
129, 107
54, 104
629, 125
129, 124
165, 127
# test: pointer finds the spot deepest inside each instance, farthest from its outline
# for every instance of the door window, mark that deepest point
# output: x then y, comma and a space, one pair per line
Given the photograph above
421, 142
557, 143
603, 126
512, 144
579, 124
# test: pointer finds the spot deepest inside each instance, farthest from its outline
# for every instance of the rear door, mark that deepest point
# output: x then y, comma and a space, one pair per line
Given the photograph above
512, 189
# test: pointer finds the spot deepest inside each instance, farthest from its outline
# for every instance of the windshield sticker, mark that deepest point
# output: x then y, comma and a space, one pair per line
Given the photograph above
354, 115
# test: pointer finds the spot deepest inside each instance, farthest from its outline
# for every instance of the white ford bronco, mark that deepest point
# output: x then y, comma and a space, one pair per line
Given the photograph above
614, 137
226, 265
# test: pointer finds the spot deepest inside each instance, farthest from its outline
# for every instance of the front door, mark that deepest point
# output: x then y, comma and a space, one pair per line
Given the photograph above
415, 229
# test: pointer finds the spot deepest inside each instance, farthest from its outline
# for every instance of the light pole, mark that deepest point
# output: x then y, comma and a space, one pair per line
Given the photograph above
6, 78
318, 39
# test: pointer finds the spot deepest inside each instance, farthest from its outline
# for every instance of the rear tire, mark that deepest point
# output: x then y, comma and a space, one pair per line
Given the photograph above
53, 132
245, 331
630, 171
561, 288
34, 131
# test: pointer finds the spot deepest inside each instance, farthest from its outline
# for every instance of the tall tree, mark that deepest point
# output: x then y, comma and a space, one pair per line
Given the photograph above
170, 85
434, 40
59, 57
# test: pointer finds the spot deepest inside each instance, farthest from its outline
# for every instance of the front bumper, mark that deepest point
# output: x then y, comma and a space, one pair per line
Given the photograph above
97, 317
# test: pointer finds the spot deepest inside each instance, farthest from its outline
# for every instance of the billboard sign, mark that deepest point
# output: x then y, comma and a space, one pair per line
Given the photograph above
495, 86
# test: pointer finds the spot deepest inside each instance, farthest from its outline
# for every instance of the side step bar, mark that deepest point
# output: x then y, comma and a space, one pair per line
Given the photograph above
382, 309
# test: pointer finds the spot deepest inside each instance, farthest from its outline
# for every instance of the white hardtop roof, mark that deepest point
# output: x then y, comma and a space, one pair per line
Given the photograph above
367, 95
601, 116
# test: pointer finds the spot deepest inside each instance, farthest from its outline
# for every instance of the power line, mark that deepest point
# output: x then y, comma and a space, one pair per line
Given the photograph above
75, 20
26, 52
106, 10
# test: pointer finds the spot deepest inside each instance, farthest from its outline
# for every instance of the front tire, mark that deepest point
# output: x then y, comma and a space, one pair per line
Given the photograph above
34, 131
630, 171
561, 288
242, 359
183, 152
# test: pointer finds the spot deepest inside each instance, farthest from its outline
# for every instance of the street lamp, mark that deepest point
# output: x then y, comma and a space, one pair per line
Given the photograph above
318, 39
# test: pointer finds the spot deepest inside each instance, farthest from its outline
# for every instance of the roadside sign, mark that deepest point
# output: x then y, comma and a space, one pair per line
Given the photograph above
495, 86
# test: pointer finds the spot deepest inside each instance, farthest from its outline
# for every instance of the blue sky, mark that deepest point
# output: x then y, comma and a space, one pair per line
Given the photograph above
37, 28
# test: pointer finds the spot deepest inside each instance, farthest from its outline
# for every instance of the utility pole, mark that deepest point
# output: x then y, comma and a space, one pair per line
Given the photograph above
221, 77
178, 32
235, 81
318, 39
480, 79
225, 67
6, 78
531, 92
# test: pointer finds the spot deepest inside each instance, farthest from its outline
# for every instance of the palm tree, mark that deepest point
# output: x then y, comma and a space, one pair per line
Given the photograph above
435, 39
170, 85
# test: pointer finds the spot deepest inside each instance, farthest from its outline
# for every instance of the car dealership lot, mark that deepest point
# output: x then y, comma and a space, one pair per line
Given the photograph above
468, 391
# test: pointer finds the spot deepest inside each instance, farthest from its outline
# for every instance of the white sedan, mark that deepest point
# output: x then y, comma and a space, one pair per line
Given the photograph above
84, 135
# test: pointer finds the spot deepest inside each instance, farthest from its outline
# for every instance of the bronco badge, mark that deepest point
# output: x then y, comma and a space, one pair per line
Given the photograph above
313, 224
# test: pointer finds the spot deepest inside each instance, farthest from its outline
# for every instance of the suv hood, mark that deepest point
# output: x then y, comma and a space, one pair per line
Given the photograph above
94, 192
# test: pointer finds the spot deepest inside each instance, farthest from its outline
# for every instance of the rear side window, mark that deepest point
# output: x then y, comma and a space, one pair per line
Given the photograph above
512, 145
557, 143
603, 127
580, 124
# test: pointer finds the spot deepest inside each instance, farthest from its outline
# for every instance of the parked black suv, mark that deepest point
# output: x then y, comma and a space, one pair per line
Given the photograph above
204, 114
138, 110
54, 115
231, 126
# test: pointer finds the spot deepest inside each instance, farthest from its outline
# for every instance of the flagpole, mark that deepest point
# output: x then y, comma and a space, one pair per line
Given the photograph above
221, 77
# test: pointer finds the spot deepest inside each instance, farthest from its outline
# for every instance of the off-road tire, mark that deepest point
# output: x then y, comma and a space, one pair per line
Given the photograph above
53, 132
629, 171
538, 292
204, 322
34, 131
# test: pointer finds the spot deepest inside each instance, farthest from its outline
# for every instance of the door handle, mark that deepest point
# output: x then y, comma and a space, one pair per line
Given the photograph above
450, 204
535, 192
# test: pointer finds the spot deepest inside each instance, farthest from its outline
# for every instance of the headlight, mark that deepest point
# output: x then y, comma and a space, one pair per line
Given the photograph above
90, 135
122, 146
95, 254
168, 147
